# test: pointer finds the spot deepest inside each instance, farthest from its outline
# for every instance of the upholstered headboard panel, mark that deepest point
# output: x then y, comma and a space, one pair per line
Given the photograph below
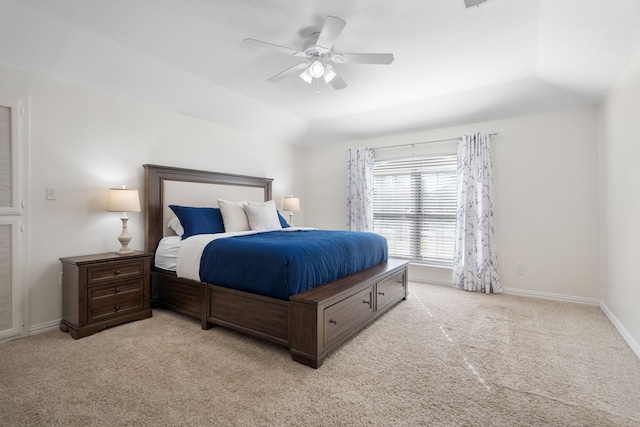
166, 185
202, 195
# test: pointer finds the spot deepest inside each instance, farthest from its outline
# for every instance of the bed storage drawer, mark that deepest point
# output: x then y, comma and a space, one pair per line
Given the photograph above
342, 316
391, 290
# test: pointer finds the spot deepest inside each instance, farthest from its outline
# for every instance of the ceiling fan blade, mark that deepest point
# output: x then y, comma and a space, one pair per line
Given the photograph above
330, 31
292, 71
278, 48
338, 82
363, 58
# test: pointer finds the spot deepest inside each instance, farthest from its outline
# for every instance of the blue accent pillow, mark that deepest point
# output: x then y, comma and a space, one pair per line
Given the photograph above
283, 222
198, 220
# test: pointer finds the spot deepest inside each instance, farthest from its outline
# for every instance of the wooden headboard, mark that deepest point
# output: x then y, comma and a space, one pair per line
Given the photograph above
165, 185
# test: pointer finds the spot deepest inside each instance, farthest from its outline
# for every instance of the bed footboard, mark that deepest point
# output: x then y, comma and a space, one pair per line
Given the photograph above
323, 318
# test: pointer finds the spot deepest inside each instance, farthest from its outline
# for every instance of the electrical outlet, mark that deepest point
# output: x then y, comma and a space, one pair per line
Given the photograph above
519, 268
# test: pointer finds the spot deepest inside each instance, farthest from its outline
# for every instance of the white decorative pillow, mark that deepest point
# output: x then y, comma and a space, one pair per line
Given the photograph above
233, 215
175, 225
262, 216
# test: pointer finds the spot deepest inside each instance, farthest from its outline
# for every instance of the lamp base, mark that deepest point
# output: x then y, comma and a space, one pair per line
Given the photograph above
124, 239
291, 220
125, 252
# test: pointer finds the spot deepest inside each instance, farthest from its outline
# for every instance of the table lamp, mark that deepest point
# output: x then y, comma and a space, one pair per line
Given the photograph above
123, 200
291, 204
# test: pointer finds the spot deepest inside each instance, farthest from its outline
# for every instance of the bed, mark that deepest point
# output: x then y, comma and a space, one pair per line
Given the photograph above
311, 323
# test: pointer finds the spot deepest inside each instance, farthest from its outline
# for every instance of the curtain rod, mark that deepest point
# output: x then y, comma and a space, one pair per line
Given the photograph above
425, 142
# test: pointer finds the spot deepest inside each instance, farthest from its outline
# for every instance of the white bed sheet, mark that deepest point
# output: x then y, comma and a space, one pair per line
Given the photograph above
167, 253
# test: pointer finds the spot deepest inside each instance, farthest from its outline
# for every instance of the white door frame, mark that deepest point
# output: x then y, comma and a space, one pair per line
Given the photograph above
16, 215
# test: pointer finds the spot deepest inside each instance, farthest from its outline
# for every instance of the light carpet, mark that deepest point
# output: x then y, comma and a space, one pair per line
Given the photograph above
443, 357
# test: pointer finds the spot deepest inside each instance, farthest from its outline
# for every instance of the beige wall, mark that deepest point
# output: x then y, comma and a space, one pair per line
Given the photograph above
546, 198
83, 143
620, 195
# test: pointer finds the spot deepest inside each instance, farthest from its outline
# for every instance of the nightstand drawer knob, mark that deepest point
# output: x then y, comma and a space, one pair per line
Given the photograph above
117, 307
117, 290
117, 272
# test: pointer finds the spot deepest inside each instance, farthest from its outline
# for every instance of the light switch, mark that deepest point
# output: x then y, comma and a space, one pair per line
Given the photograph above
52, 193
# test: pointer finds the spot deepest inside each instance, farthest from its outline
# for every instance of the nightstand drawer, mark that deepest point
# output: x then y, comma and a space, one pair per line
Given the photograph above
123, 288
109, 301
115, 270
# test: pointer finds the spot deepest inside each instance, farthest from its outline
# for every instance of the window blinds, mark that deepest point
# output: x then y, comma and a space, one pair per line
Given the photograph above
415, 207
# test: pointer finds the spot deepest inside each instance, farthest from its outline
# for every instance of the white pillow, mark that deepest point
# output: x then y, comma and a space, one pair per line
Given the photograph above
262, 216
233, 215
175, 225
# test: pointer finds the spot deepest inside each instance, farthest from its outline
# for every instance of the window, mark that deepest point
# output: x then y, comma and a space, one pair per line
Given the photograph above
415, 207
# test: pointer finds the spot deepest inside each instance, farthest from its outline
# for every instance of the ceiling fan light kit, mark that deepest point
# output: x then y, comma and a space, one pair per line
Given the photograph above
316, 69
306, 76
318, 51
329, 74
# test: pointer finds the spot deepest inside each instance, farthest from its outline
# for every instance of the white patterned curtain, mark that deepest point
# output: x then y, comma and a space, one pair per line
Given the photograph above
475, 262
360, 189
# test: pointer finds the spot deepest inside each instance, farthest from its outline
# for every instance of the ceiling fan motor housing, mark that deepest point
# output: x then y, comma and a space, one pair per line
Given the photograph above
314, 50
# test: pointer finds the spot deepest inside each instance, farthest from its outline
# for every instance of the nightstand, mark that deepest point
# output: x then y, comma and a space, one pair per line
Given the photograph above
104, 290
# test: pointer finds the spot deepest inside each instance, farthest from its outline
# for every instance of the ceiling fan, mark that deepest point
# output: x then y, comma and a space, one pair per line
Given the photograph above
318, 54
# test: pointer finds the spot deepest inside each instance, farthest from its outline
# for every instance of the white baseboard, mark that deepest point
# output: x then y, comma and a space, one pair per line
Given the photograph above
625, 334
430, 282
533, 294
551, 296
44, 327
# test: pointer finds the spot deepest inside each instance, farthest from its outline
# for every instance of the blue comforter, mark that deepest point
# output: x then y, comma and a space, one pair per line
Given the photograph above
283, 263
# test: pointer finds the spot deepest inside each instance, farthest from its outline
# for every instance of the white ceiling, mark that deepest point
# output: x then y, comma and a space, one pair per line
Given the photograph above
452, 65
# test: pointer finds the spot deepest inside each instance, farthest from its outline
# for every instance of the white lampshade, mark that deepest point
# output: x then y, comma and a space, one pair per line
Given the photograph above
123, 200
291, 204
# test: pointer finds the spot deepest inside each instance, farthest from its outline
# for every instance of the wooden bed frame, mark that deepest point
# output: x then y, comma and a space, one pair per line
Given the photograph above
311, 324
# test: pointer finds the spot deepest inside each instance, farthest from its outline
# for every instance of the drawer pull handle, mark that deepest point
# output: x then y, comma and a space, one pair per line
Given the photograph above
381, 293
401, 282
366, 302
117, 307
117, 272
117, 290
335, 322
